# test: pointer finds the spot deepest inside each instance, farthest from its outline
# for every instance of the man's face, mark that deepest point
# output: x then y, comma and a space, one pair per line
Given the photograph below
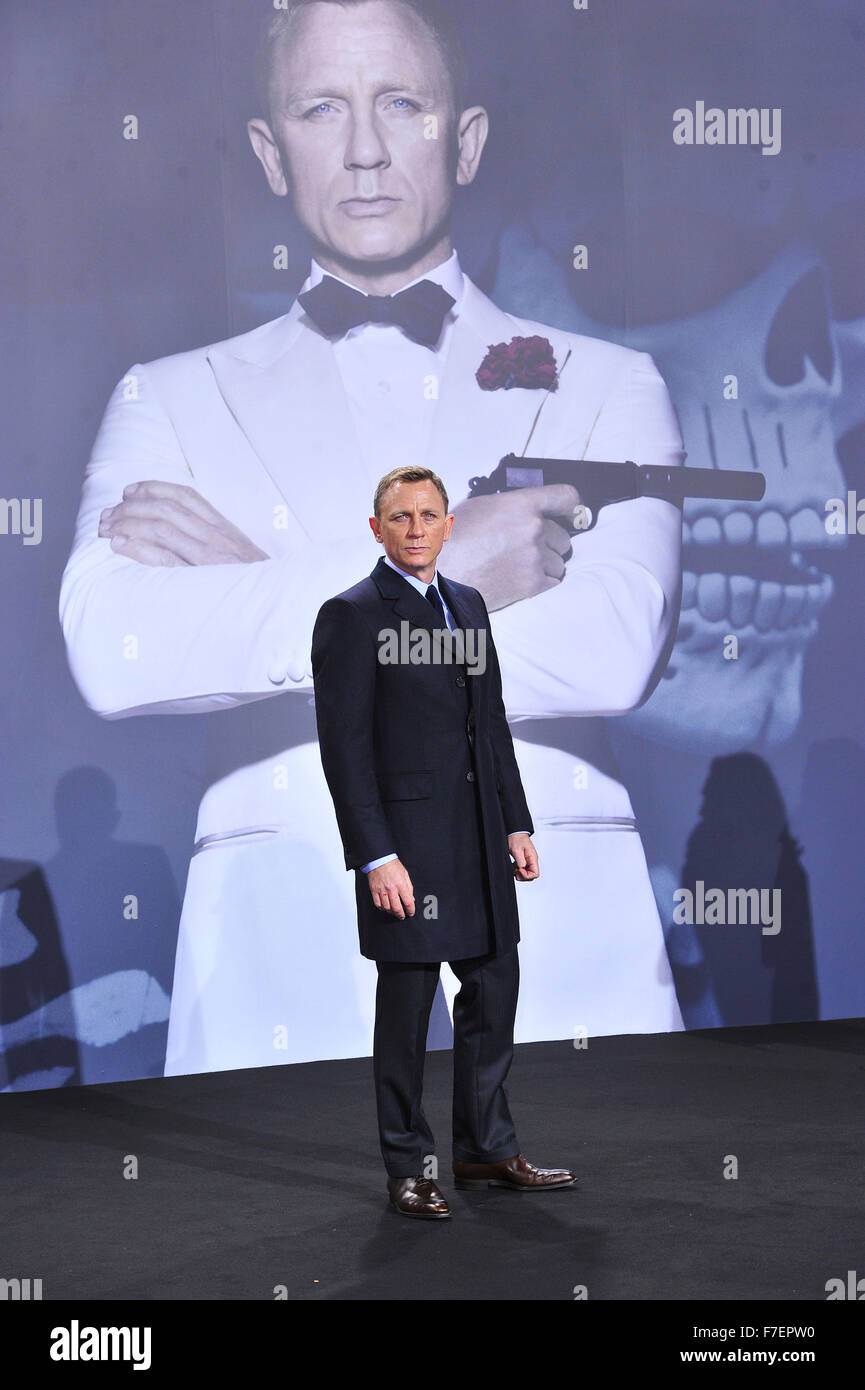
413, 526
363, 133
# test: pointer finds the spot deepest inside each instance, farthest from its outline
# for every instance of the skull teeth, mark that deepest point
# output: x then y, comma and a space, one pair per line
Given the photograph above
739, 600
769, 528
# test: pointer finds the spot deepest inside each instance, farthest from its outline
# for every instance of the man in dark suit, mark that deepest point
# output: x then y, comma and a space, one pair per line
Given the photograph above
420, 763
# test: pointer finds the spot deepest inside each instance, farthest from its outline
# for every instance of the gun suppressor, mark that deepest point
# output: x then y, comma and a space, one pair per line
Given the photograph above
602, 483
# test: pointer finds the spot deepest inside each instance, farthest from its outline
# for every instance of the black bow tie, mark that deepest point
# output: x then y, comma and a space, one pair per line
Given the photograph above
419, 311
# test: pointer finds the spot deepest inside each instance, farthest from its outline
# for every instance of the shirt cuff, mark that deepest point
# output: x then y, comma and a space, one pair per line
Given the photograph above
374, 863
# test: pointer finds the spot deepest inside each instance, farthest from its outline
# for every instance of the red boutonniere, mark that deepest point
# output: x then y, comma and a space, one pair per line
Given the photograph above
528, 362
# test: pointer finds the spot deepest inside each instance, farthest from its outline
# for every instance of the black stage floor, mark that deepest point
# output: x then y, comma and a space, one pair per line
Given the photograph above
255, 1181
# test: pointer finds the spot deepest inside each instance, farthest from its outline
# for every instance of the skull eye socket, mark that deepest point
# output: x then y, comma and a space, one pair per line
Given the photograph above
669, 263
800, 330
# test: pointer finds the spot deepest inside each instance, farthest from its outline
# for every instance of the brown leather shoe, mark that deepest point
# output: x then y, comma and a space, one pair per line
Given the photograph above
514, 1172
417, 1197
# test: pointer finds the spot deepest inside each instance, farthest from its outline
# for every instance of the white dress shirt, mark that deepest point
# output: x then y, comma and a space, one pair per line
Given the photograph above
390, 381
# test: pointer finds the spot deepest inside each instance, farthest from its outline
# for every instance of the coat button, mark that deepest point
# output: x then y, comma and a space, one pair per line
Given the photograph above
461, 680
470, 776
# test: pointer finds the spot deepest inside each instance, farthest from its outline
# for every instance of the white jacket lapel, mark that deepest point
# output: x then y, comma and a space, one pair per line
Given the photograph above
284, 390
473, 429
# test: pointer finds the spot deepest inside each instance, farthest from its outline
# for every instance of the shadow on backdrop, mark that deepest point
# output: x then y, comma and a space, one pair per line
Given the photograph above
86, 949
763, 967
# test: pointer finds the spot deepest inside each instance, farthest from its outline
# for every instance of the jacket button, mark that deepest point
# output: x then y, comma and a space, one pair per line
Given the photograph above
461, 680
470, 776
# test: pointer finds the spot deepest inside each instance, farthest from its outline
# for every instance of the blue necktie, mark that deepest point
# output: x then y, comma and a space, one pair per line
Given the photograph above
434, 597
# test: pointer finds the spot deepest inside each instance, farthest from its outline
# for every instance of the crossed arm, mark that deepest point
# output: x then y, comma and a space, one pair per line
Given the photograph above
166, 606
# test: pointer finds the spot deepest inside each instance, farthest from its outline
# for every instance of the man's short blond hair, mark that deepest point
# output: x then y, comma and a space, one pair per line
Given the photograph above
407, 474
436, 15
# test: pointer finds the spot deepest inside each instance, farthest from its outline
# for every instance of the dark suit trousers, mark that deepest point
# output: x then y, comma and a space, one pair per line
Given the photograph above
483, 1015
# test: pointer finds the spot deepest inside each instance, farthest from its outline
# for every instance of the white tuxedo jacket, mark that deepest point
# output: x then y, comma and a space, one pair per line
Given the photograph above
259, 425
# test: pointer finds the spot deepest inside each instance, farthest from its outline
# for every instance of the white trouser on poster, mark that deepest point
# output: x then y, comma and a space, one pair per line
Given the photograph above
268, 969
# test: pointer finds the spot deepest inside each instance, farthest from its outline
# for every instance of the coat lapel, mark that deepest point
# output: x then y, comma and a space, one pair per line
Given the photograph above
404, 599
407, 603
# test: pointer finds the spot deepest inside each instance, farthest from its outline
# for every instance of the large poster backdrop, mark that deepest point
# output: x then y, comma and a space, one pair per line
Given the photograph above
682, 179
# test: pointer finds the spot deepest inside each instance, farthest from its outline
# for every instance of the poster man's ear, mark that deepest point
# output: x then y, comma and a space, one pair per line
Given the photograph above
262, 140
474, 127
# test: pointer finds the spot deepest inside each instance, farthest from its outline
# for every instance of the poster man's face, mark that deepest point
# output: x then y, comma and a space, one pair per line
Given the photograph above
363, 134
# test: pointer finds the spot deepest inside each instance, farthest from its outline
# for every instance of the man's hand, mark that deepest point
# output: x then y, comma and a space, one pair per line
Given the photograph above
392, 889
525, 857
169, 524
507, 544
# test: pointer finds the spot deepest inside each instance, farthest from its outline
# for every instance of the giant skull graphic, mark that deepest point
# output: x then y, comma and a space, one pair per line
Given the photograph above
754, 571
757, 572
